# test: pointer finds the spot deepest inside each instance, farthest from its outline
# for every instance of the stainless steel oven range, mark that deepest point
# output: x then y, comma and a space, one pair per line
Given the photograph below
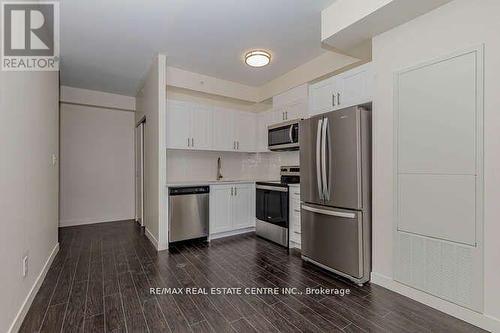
272, 206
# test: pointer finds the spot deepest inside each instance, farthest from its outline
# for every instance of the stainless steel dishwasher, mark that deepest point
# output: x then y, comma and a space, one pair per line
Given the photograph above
188, 213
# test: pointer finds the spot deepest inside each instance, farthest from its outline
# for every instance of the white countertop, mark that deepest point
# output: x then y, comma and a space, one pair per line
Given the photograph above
215, 182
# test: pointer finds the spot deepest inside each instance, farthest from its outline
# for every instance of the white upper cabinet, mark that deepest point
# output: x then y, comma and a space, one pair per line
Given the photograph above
347, 89
244, 131
178, 125
354, 87
292, 104
321, 97
199, 127
202, 127
189, 126
223, 133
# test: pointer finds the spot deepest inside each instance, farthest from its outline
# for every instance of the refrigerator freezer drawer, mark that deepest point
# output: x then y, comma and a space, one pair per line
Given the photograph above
333, 238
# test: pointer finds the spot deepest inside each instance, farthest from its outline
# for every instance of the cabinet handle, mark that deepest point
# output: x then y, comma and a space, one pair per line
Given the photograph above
238, 145
296, 193
232, 191
234, 145
338, 98
333, 99
296, 210
189, 143
235, 191
192, 142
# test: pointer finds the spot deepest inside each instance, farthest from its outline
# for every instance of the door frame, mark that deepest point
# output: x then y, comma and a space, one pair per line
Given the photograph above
140, 127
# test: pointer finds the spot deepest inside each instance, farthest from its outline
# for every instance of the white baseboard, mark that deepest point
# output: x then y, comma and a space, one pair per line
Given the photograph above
84, 221
154, 241
231, 233
18, 320
475, 318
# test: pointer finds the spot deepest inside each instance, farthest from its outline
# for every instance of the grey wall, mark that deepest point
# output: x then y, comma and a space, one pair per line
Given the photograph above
97, 165
29, 130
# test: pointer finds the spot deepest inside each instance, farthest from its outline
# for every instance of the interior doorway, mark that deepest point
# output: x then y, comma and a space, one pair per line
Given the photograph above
139, 172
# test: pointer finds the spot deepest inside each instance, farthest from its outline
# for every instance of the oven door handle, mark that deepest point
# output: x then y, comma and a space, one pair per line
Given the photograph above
271, 188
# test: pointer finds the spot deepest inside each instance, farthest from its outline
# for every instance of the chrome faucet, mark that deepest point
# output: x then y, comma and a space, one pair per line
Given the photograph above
219, 168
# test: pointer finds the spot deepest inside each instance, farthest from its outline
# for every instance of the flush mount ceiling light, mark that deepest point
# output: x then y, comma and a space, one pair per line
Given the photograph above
257, 58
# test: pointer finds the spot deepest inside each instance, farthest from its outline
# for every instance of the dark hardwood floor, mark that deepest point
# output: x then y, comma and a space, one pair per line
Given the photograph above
100, 280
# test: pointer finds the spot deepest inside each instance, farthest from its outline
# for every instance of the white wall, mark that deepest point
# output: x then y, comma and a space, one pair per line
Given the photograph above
151, 105
28, 187
97, 163
183, 165
322, 65
453, 27
87, 97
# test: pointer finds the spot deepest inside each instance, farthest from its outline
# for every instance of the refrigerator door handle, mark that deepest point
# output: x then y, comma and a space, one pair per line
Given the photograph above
326, 191
329, 212
318, 158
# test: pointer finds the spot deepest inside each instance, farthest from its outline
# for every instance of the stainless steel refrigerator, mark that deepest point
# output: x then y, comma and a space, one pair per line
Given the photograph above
335, 173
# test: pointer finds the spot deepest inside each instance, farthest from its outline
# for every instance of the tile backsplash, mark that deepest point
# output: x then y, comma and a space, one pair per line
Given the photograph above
187, 165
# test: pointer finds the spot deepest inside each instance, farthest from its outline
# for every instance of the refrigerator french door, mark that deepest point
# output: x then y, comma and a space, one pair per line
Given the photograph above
336, 192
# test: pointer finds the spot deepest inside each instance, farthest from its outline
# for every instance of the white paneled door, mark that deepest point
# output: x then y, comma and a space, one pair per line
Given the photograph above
438, 176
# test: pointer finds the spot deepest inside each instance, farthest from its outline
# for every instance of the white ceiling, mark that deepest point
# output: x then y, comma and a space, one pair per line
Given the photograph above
108, 44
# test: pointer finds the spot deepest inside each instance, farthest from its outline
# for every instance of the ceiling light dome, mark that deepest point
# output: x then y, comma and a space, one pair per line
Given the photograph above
257, 58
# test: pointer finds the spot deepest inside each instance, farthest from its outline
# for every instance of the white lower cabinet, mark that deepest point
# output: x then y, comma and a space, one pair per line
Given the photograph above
232, 209
294, 210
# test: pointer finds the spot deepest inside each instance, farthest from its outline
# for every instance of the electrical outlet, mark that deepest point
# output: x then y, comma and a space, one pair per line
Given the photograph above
25, 266
54, 159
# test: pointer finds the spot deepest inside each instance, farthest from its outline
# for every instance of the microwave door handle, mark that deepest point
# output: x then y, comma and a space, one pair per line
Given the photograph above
326, 192
290, 133
318, 158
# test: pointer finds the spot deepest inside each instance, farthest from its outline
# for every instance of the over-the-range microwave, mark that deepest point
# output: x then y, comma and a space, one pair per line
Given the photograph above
284, 136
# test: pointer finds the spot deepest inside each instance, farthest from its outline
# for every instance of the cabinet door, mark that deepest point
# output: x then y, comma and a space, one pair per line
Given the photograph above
243, 206
353, 87
223, 130
321, 97
296, 110
202, 122
245, 131
220, 208
178, 125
